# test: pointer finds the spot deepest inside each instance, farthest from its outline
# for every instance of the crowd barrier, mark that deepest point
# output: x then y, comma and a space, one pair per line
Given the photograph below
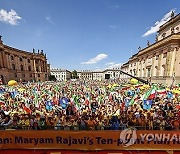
71, 128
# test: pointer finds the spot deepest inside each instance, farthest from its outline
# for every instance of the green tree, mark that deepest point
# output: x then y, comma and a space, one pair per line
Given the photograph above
52, 78
74, 75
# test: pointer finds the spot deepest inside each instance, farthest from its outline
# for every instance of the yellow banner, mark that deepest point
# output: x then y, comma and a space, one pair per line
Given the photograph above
128, 139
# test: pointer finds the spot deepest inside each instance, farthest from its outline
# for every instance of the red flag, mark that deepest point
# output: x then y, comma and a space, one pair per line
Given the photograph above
2, 103
28, 110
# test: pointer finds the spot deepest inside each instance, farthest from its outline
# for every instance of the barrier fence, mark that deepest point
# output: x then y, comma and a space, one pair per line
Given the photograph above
21, 127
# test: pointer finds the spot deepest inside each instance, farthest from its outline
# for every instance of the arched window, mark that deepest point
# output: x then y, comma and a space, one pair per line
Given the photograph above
12, 57
29, 68
148, 72
163, 70
22, 68
13, 66
37, 69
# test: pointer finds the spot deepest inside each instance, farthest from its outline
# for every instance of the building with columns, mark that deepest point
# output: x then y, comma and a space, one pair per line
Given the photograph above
16, 64
98, 75
85, 74
159, 61
113, 73
61, 74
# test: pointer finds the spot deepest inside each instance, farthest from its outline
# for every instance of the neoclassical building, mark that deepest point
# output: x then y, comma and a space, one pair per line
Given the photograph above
61, 74
112, 73
22, 65
160, 61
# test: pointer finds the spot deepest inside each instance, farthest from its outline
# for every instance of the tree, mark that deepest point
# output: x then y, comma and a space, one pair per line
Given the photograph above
74, 75
52, 78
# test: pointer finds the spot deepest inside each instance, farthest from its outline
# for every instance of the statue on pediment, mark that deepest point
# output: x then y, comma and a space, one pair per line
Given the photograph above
172, 14
156, 38
148, 43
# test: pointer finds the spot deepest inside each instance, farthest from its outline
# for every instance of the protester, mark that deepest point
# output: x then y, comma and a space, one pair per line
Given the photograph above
89, 105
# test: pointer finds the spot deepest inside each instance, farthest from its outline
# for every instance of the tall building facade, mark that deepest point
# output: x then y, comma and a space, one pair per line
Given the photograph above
85, 74
61, 74
113, 73
160, 61
21, 65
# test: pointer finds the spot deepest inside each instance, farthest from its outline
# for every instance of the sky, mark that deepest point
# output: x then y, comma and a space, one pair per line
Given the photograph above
83, 34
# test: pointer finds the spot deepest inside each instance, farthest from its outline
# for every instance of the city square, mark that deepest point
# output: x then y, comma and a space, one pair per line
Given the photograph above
50, 100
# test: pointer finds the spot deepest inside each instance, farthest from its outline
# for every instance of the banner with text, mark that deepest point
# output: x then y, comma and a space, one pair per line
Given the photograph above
128, 139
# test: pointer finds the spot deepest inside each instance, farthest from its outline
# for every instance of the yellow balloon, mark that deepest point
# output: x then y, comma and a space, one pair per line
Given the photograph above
109, 86
132, 88
133, 81
12, 83
176, 91
21, 89
114, 85
146, 86
142, 88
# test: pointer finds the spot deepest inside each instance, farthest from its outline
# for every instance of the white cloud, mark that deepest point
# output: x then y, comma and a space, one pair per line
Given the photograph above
49, 20
156, 26
113, 26
110, 63
10, 17
96, 59
113, 65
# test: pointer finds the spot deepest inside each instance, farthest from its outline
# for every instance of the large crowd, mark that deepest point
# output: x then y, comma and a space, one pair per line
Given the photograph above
89, 105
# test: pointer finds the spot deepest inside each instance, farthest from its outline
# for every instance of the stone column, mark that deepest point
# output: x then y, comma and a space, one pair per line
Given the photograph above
140, 68
4, 59
40, 66
16, 59
1, 60
34, 68
152, 66
9, 66
172, 61
159, 65
145, 70
24, 64
43, 66
168, 64
177, 62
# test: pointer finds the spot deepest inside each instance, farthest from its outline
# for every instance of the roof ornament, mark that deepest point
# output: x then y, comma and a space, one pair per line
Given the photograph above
42, 52
156, 38
172, 14
1, 39
148, 43
33, 50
